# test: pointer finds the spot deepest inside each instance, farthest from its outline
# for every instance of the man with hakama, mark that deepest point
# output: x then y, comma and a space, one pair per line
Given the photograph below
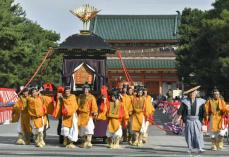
216, 109
37, 111
192, 113
126, 100
67, 107
88, 110
131, 96
148, 113
116, 115
139, 118
20, 110
49, 103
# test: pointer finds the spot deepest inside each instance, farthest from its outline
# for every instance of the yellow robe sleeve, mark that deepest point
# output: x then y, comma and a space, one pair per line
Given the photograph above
224, 107
94, 107
149, 108
125, 112
207, 108
129, 105
16, 111
57, 109
49, 104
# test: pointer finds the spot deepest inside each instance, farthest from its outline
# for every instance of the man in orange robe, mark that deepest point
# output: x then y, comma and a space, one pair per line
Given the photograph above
131, 96
67, 108
115, 114
148, 113
37, 111
20, 110
48, 102
88, 110
215, 109
139, 117
126, 100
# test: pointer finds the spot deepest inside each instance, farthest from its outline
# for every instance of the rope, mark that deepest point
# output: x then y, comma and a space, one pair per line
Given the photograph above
35, 73
129, 79
45, 68
123, 66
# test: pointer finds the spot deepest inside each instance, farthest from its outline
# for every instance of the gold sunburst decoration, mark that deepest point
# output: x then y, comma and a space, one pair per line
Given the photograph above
85, 14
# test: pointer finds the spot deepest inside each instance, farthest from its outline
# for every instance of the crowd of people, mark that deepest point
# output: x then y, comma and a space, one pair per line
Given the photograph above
128, 111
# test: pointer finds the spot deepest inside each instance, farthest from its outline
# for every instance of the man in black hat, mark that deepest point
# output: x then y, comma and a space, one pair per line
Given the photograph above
37, 111
126, 100
67, 104
88, 110
20, 110
216, 109
138, 118
115, 114
148, 113
131, 96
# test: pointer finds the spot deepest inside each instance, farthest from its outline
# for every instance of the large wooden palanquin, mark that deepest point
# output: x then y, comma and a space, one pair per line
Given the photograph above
84, 61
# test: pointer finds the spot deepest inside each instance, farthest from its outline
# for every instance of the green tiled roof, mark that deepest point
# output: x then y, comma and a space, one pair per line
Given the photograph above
142, 63
136, 27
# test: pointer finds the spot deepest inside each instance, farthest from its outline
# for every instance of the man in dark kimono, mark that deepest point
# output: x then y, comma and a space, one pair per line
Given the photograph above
192, 114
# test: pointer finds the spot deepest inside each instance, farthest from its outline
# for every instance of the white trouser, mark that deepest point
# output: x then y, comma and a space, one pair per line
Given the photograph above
144, 126
88, 129
19, 129
37, 130
118, 133
222, 132
71, 133
146, 129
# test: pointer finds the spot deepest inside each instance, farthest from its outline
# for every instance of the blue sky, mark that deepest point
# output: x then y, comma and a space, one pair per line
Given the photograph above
54, 14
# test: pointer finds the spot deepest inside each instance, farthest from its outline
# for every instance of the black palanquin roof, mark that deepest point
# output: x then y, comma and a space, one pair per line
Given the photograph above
81, 43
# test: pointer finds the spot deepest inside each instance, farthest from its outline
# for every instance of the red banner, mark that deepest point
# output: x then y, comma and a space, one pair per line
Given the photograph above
5, 114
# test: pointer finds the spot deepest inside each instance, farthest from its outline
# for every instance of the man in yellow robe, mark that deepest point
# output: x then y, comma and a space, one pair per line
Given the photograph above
67, 108
116, 114
148, 113
126, 100
88, 110
131, 96
139, 117
48, 102
37, 111
215, 109
20, 110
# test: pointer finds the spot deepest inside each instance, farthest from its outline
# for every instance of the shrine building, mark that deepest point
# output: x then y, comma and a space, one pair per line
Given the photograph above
147, 44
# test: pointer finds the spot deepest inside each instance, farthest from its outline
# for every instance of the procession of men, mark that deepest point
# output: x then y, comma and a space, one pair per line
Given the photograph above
128, 116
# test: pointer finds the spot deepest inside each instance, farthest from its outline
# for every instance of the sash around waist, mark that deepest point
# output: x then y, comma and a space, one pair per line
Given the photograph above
192, 118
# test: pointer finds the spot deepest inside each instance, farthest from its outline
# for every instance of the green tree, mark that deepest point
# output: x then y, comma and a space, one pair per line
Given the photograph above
23, 44
206, 54
188, 32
